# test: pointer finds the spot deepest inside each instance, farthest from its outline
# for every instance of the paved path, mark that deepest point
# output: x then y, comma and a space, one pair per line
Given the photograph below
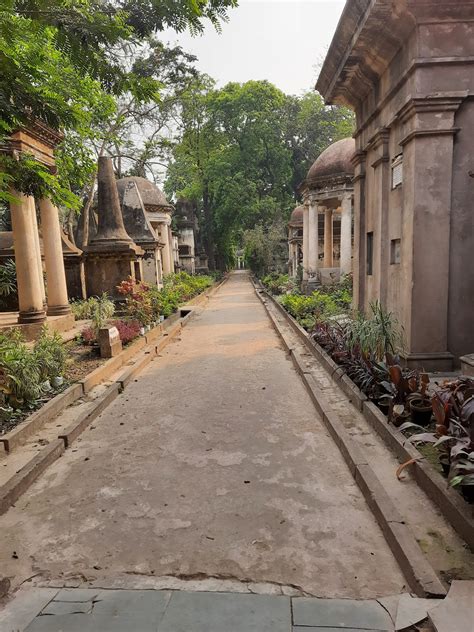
89, 610
212, 466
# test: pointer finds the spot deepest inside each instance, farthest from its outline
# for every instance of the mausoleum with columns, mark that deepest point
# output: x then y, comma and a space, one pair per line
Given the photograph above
37, 301
327, 216
407, 70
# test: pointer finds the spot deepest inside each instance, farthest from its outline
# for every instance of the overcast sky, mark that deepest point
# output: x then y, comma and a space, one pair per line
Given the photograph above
279, 40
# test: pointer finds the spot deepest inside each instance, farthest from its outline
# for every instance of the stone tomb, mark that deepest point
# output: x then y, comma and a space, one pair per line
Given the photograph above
111, 255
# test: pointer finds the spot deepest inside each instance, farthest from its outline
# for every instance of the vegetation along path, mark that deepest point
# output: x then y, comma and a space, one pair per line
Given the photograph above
212, 464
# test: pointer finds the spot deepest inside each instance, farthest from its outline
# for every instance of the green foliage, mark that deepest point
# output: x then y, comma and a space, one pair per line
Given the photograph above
96, 308
8, 278
277, 283
308, 310
67, 63
50, 354
243, 152
377, 335
20, 374
266, 248
24, 370
146, 303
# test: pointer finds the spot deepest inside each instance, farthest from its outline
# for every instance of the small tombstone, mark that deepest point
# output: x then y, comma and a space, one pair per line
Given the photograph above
109, 342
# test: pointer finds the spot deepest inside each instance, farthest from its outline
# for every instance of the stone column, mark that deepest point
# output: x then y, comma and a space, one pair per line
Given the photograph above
166, 254
359, 260
313, 241
346, 237
30, 296
305, 241
171, 250
328, 243
53, 258
39, 263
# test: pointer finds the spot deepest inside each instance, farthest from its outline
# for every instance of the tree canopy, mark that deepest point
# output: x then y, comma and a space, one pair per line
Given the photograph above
242, 152
67, 62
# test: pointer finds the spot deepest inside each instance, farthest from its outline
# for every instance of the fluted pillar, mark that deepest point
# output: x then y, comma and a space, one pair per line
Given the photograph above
30, 296
313, 241
305, 241
166, 254
328, 242
346, 236
53, 257
171, 253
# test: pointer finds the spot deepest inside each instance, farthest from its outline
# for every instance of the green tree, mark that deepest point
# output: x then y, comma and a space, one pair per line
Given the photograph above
61, 59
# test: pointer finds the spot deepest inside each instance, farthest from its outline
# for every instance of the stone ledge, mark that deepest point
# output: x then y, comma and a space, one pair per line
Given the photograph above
417, 570
26, 476
19, 435
22, 480
454, 509
79, 425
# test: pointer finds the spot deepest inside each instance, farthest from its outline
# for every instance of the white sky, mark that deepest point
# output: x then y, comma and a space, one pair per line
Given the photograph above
283, 41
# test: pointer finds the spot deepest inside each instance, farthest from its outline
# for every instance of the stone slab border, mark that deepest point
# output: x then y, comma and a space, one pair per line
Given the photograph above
419, 574
18, 484
457, 512
19, 435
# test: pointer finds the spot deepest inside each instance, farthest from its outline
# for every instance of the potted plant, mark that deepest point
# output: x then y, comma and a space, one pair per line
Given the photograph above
421, 409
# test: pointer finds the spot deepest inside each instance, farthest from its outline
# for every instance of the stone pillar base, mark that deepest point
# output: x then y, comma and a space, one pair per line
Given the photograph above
32, 316
439, 362
58, 310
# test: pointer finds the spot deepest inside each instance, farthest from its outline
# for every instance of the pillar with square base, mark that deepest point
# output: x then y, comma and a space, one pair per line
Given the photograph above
30, 297
53, 258
313, 250
328, 238
346, 234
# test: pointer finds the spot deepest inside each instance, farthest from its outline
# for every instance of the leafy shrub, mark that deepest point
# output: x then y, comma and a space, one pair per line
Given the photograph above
279, 283
138, 305
308, 310
128, 330
23, 370
8, 278
96, 308
20, 373
377, 335
89, 335
51, 355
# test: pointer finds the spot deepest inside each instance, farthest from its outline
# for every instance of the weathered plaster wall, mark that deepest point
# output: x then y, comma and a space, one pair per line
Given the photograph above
461, 273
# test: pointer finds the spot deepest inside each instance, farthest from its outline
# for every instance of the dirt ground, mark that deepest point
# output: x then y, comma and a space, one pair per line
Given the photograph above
213, 464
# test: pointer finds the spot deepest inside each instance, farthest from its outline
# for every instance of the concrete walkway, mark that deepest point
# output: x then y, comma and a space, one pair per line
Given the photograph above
212, 467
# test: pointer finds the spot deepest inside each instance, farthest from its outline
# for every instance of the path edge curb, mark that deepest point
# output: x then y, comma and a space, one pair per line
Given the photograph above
418, 572
20, 482
454, 509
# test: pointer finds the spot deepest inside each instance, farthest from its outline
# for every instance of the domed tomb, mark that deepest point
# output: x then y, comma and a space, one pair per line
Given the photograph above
296, 218
334, 162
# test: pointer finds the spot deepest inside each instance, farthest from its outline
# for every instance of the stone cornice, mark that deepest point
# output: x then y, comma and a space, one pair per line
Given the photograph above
368, 36
447, 102
428, 132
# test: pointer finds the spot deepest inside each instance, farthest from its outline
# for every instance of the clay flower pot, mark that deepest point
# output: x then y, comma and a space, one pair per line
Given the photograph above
421, 411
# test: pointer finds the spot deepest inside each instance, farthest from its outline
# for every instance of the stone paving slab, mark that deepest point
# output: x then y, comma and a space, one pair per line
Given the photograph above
219, 612
341, 613
311, 629
27, 603
90, 623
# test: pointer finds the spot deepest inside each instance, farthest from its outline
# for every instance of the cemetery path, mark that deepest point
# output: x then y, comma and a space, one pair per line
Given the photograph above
212, 465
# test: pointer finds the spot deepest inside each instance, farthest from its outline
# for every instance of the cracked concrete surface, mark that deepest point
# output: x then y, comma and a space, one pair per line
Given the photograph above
213, 464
